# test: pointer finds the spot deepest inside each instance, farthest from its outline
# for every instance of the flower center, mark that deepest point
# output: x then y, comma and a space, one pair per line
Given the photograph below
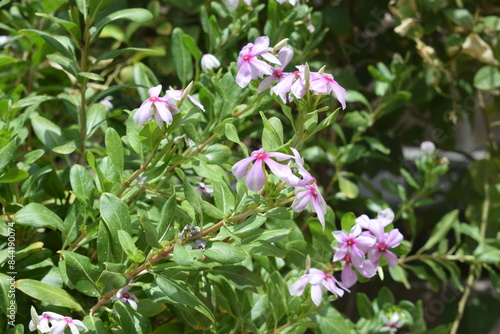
154, 99
382, 247
68, 320
125, 296
247, 57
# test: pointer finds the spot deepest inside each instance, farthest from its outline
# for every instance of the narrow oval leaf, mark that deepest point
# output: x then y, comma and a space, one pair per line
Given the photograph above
115, 149
48, 293
180, 292
13, 175
37, 215
224, 253
81, 273
133, 14
440, 230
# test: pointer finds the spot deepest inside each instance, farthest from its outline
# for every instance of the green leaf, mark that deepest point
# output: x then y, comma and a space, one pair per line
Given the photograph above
129, 247
193, 197
150, 135
7, 153
180, 292
150, 234
47, 293
32, 100
487, 254
385, 298
182, 256
95, 116
217, 153
224, 253
47, 132
232, 134
460, 16
82, 183
348, 221
192, 47
240, 277
181, 57
130, 320
115, 150
364, 305
409, 179
112, 277
115, 53
348, 188
115, 214
167, 217
13, 175
37, 215
440, 230
272, 135
90, 76
81, 273
7, 60
60, 43
487, 78
133, 14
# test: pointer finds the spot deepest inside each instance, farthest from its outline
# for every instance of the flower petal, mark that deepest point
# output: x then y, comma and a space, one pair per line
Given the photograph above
256, 177
155, 91
297, 288
143, 114
240, 168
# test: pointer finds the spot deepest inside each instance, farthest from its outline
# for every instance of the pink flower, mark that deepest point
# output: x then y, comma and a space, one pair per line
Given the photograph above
176, 94
256, 176
284, 57
384, 241
306, 191
291, 83
309, 194
349, 277
164, 106
354, 243
249, 66
320, 282
325, 84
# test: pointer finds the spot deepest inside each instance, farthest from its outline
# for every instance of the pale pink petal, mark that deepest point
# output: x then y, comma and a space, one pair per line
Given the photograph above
260, 45
392, 259
297, 288
385, 216
244, 75
281, 171
363, 221
316, 294
393, 238
340, 93
196, 102
316, 276
302, 197
175, 94
256, 177
271, 58
163, 111
340, 253
259, 68
155, 91
285, 55
348, 276
240, 168
369, 269
266, 83
319, 211
279, 156
143, 114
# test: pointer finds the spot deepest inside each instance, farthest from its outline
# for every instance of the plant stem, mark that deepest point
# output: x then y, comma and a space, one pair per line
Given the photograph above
84, 67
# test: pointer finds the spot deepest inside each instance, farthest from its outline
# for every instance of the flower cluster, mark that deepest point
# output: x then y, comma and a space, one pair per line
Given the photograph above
360, 249
289, 85
306, 188
53, 323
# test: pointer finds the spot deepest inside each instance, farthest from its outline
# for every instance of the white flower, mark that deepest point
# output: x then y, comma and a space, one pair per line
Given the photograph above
58, 323
209, 62
126, 297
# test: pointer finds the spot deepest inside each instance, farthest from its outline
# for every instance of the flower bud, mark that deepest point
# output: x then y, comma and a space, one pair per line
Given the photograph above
209, 62
427, 148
